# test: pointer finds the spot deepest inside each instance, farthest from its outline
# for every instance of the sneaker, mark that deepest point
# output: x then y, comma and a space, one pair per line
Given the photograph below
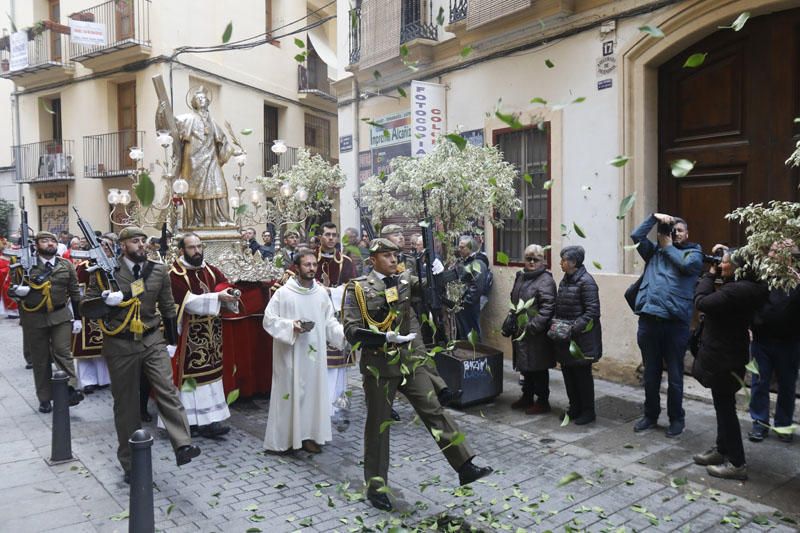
757, 434
710, 457
644, 424
728, 471
675, 428
538, 408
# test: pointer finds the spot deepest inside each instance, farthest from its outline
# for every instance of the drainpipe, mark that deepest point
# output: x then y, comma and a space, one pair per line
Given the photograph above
356, 146
17, 130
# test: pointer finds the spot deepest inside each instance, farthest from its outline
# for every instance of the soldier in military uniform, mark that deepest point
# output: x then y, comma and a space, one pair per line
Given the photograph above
46, 321
133, 344
377, 314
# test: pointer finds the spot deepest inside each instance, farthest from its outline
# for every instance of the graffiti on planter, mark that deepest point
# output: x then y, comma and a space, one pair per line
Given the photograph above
476, 369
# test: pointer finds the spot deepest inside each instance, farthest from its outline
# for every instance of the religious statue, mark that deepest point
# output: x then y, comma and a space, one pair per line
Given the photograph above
200, 150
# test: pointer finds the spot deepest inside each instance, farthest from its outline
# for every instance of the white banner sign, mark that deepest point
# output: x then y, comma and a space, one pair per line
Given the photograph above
18, 59
390, 129
88, 33
427, 116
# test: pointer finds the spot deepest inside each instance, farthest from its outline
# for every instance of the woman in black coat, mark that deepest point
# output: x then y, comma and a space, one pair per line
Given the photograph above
532, 350
577, 333
722, 356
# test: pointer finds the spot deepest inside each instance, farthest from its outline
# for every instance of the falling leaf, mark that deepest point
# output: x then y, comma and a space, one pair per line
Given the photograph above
579, 100
46, 108
299, 43
695, 60
678, 482
565, 421
253, 530
120, 516
285, 396
145, 190
189, 385
739, 23
563, 230
752, 367
681, 167
549, 63
170, 507
246, 131
306, 522
502, 258
510, 119
457, 139
466, 51
537, 100
631, 246
386, 424
619, 161
376, 74
226, 35
440, 17
241, 210
528, 178
589, 325
575, 350
300, 58
256, 518
785, 430
652, 31
569, 478
547, 185
578, 230
472, 337
232, 396
626, 205
404, 51
375, 372
401, 92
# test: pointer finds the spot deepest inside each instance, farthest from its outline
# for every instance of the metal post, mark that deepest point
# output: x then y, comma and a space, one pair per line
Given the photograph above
141, 519
62, 438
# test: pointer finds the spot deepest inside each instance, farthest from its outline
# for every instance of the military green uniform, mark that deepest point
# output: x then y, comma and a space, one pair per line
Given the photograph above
129, 357
46, 321
394, 372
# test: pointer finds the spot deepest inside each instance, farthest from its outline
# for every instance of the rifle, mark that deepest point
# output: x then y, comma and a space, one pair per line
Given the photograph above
25, 256
163, 246
433, 288
97, 254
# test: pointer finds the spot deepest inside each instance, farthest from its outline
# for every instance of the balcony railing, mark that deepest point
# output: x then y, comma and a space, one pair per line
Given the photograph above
44, 161
268, 158
106, 155
416, 21
458, 10
355, 35
126, 23
47, 47
314, 79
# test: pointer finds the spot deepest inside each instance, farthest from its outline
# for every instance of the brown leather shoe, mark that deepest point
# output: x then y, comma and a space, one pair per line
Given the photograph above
538, 408
523, 403
311, 447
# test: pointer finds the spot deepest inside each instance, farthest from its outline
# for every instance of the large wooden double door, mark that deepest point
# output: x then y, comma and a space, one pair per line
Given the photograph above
734, 116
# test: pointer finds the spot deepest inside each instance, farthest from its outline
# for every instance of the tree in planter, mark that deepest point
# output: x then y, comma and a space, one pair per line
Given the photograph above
463, 183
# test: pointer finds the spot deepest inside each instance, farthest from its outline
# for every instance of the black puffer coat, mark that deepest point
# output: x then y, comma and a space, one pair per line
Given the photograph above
535, 350
725, 341
578, 301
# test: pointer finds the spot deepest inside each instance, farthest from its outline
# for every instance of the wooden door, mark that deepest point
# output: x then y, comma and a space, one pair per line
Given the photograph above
126, 122
734, 117
54, 14
123, 20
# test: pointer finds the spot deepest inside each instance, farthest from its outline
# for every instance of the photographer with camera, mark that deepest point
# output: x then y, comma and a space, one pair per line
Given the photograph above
664, 305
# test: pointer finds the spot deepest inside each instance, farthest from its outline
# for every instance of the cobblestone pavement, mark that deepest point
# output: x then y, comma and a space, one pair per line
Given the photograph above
597, 478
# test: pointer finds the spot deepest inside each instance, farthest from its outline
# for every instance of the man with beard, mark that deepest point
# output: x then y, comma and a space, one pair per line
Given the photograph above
133, 344
200, 290
46, 321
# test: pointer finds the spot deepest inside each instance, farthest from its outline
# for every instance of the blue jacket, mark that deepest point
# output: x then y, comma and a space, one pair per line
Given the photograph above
669, 278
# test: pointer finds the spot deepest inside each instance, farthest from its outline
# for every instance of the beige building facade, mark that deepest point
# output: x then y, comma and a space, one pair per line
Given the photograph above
588, 85
80, 92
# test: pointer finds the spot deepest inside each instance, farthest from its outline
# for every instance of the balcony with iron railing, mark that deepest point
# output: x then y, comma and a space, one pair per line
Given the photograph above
112, 33
107, 155
313, 85
43, 161
416, 21
355, 35
458, 10
269, 159
43, 58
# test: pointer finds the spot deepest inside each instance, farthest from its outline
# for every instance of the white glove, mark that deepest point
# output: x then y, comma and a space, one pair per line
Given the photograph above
113, 298
171, 349
20, 291
437, 267
77, 326
396, 338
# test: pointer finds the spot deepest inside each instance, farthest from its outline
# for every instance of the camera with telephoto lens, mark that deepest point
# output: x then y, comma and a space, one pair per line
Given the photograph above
712, 259
665, 228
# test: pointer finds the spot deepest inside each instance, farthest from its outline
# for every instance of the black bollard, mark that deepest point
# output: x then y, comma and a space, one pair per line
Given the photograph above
61, 449
142, 519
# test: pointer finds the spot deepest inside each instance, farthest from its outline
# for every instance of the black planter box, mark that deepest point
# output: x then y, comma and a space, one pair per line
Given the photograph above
477, 373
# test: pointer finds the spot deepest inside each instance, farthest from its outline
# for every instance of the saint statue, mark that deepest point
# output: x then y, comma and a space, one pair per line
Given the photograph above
200, 149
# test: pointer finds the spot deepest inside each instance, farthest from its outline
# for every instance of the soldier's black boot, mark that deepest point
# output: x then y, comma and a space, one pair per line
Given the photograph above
380, 501
75, 396
469, 472
185, 454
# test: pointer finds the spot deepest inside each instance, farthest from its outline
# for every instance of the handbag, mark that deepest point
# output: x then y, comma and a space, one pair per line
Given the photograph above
560, 329
633, 291
694, 337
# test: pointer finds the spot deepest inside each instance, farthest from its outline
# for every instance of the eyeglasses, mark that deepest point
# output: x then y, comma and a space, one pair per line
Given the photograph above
531, 258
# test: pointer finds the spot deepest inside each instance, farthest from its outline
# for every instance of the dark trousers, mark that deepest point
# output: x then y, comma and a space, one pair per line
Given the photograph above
579, 383
537, 383
662, 341
467, 319
781, 358
729, 434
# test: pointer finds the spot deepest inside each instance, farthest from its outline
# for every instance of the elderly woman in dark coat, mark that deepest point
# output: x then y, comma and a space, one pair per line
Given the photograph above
577, 318
722, 356
527, 325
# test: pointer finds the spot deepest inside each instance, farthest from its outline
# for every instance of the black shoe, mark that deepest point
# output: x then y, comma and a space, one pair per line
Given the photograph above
145, 416
469, 472
185, 454
28, 366
758, 433
213, 430
586, 418
675, 428
45, 407
572, 415
194, 431
127, 478
395, 415
643, 424
446, 396
75, 396
380, 501
89, 389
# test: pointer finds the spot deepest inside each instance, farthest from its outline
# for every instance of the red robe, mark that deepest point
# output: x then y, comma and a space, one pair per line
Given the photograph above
89, 342
332, 271
5, 282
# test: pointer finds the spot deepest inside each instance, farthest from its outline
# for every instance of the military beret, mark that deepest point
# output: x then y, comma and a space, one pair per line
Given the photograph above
391, 228
382, 245
291, 232
130, 232
45, 235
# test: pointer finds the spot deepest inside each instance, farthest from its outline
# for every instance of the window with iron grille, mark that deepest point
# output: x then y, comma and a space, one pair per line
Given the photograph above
270, 135
529, 151
318, 135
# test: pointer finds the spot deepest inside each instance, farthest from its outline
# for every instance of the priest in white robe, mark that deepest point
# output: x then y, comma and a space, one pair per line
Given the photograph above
301, 320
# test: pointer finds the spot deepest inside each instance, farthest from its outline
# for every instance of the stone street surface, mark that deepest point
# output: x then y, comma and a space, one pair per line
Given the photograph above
597, 478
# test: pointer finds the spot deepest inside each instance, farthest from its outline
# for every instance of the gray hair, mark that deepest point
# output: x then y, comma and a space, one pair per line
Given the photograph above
535, 250
471, 243
574, 254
